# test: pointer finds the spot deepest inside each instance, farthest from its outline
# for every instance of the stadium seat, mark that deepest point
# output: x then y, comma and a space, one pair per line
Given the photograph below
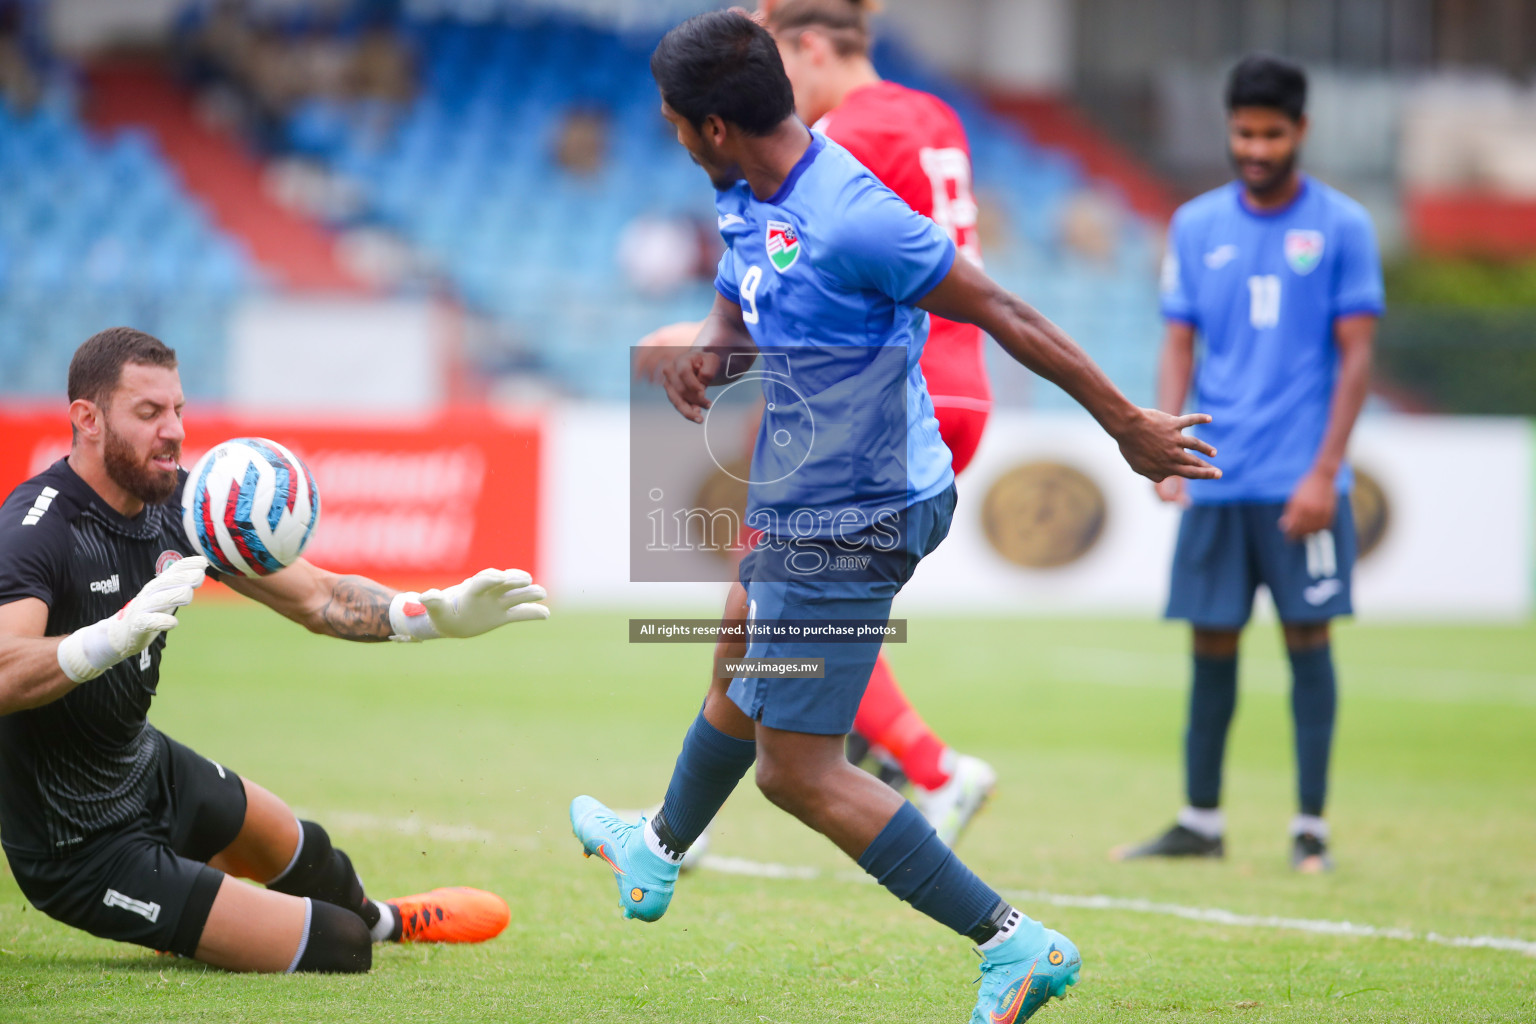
96, 233
469, 177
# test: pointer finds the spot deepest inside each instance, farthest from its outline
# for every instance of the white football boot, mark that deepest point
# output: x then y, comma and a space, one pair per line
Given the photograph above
950, 808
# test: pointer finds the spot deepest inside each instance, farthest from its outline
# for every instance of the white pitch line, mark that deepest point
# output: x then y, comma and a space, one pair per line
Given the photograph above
1216, 915
753, 869
1212, 915
409, 826
413, 826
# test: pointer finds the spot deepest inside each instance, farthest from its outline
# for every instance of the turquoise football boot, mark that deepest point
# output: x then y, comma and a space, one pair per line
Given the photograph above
1018, 977
645, 879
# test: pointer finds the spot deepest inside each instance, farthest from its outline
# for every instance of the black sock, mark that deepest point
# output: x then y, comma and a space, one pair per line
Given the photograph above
322, 872
336, 942
1314, 703
1212, 699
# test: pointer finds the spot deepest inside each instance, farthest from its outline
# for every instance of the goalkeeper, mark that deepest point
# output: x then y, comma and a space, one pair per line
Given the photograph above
109, 825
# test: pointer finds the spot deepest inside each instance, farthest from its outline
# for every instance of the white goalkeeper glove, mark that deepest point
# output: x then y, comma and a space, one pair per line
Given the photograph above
87, 653
489, 598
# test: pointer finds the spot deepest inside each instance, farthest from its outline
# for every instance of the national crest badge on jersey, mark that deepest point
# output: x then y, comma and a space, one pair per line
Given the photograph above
783, 244
1303, 249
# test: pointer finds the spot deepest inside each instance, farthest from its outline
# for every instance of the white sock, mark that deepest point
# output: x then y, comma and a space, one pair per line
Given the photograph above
1207, 821
1309, 824
655, 845
386, 924
1005, 932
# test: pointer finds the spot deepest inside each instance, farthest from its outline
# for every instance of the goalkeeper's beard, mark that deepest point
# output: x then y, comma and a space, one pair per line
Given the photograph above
139, 477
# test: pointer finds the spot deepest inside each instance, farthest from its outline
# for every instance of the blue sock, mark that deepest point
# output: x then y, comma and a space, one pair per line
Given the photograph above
1314, 701
1212, 699
910, 860
708, 769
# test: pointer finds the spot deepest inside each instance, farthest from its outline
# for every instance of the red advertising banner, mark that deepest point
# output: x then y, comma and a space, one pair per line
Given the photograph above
412, 502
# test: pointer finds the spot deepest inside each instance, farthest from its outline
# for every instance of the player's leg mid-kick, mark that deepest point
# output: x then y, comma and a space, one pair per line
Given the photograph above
809, 230
894, 131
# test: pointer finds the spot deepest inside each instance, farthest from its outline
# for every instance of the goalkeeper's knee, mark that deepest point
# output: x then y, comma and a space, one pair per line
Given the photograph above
335, 941
321, 871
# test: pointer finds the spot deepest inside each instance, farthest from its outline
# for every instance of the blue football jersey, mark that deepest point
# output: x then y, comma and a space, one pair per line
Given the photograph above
1263, 290
826, 272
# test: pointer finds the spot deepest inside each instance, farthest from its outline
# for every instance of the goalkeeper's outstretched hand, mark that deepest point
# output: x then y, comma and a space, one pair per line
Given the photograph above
489, 598
87, 653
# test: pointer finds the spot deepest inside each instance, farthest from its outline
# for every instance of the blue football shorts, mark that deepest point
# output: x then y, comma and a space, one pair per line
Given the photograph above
810, 580
1225, 551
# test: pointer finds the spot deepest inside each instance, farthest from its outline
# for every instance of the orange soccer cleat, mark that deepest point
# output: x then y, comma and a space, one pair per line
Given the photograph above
454, 914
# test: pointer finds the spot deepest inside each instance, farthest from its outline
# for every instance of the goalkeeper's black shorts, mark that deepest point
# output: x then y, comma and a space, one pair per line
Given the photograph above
148, 882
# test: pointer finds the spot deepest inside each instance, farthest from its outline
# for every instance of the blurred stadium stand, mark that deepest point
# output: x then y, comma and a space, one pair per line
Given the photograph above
528, 147
217, 169
97, 230
472, 178
508, 158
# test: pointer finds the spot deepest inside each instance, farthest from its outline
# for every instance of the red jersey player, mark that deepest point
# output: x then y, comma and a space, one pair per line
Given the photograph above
914, 143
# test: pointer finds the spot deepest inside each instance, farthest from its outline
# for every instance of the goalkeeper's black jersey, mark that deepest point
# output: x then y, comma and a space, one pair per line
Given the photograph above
81, 765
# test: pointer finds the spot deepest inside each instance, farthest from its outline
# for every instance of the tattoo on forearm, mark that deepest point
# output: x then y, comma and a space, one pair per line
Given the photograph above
358, 610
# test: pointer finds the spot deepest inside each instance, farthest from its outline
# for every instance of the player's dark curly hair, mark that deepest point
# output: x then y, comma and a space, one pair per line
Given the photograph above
97, 366
725, 64
844, 22
1260, 80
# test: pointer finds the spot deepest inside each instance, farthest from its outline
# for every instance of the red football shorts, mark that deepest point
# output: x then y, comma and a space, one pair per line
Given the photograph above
961, 427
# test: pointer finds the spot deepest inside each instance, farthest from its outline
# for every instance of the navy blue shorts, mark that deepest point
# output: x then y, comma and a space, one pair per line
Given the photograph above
816, 587
1226, 551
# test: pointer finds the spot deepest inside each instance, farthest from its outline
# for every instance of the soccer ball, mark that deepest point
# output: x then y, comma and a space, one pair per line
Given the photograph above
249, 506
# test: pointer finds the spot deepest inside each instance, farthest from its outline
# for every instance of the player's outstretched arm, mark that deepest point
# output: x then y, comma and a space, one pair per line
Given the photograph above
35, 670
324, 602
687, 376
358, 608
1153, 442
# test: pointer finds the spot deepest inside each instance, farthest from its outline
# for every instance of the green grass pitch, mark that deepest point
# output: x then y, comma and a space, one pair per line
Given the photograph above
453, 763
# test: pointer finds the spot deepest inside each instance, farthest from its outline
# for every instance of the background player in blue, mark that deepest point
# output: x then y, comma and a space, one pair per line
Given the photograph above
1278, 273
827, 265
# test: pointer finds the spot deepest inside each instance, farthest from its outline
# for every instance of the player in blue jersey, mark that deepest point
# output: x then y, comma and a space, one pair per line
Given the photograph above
828, 275
1278, 274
